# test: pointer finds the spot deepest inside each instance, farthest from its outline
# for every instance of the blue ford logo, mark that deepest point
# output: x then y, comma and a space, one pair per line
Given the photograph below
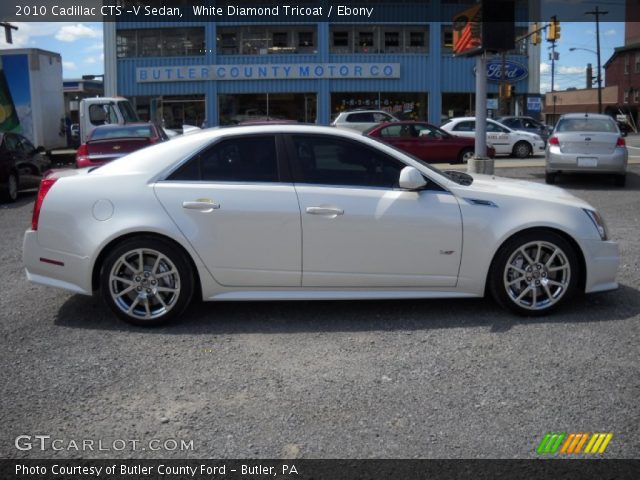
513, 71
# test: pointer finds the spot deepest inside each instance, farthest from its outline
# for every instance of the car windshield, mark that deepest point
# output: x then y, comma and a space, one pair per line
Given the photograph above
586, 125
140, 131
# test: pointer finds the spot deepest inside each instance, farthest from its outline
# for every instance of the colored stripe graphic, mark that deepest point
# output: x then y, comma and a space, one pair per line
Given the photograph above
598, 443
573, 443
550, 443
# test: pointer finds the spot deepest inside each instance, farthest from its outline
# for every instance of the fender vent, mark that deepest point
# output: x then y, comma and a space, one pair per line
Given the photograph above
481, 203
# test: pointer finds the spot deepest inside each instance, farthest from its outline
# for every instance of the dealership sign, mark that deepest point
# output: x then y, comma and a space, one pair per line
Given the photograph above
513, 71
285, 71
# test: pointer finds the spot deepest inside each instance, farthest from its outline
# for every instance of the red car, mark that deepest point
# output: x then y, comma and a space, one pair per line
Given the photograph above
108, 142
426, 142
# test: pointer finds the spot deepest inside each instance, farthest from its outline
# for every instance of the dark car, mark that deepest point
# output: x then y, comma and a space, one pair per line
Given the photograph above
21, 165
108, 142
426, 142
527, 124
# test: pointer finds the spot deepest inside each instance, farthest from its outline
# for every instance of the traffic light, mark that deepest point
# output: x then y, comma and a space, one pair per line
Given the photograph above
505, 90
553, 33
535, 34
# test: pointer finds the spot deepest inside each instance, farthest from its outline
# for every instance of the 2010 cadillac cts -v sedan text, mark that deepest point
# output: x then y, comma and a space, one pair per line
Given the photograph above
291, 212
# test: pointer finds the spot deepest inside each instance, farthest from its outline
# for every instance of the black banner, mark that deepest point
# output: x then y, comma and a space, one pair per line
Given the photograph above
318, 469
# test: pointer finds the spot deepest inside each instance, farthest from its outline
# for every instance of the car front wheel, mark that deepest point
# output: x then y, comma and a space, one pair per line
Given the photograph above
146, 281
465, 155
533, 273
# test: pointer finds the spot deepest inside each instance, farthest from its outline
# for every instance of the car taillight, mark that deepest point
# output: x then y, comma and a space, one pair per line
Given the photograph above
554, 141
82, 155
621, 142
45, 185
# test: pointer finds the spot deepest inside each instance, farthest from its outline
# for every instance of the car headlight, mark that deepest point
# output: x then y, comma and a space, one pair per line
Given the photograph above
598, 222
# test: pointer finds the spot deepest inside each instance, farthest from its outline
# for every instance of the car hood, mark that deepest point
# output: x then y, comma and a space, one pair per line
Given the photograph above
490, 187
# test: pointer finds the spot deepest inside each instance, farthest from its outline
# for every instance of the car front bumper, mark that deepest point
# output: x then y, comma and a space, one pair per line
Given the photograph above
54, 268
556, 161
602, 262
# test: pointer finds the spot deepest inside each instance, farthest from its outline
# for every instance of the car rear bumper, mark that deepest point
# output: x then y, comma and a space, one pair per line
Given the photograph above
603, 260
53, 268
557, 161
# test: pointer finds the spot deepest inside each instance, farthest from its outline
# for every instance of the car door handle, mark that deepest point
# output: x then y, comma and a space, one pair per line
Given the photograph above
204, 205
325, 211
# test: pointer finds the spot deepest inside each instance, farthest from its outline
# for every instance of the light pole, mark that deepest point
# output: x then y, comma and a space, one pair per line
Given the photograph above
598, 79
596, 13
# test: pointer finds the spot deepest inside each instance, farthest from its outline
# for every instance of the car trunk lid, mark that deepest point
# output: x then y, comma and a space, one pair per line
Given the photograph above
588, 143
110, 149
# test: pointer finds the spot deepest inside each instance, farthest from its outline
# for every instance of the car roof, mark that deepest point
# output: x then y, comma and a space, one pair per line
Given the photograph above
586, 115
118, 125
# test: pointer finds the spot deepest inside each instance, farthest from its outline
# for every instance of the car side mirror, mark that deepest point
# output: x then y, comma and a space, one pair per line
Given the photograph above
411, 179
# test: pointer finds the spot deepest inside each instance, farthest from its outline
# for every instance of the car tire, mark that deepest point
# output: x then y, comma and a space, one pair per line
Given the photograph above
147, 281
533, 273
465, 155
620, 180
550, 177
522, 150
9, 191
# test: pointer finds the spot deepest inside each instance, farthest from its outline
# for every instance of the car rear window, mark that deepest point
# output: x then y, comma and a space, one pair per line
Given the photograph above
586, 125
141, 131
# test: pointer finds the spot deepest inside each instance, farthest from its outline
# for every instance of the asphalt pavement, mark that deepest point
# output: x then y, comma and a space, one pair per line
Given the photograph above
386, 379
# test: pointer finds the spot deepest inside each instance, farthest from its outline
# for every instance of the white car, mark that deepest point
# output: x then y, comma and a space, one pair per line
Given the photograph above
505, 140
362, 120
291, 212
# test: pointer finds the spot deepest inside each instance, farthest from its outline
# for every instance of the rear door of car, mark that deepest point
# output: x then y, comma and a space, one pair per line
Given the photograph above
235, 203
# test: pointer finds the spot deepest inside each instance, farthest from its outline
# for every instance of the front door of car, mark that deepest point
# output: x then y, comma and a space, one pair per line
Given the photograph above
360, 229
233, 204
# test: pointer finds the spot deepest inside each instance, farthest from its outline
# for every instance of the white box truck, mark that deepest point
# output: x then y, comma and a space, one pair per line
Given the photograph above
31, 98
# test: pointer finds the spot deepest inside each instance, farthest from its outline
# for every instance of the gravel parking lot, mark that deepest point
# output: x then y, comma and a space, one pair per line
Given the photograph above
431, 379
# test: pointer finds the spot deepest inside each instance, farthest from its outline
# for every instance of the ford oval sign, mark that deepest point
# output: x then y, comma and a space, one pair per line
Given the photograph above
513, 71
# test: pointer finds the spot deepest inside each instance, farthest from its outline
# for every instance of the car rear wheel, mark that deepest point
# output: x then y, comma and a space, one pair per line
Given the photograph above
465, 155
533, 273
9, 191
550, 177
522, 150
146, 281
620, 180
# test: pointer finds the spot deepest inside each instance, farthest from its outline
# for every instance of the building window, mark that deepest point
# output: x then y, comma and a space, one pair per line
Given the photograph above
626, 96
626, 64
636, 96
263, 40
447, 38
405, 105
637, 62
160, 42
379, 39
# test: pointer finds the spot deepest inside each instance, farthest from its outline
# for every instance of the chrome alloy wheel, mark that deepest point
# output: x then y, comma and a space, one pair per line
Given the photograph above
144, 284
537, 275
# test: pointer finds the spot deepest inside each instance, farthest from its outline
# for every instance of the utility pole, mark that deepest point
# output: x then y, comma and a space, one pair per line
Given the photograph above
7, 31
596, 13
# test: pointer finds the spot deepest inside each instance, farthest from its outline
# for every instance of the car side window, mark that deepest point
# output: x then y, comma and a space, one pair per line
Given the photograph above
381, 117
391, 131
11, 142
246, 159
362, 117
465, 127
334, 161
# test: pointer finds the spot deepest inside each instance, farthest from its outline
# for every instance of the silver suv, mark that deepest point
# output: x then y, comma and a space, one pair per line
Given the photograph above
362, 120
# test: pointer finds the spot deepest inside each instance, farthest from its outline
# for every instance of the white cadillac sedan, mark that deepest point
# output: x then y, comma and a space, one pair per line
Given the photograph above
503, 139
292, 212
